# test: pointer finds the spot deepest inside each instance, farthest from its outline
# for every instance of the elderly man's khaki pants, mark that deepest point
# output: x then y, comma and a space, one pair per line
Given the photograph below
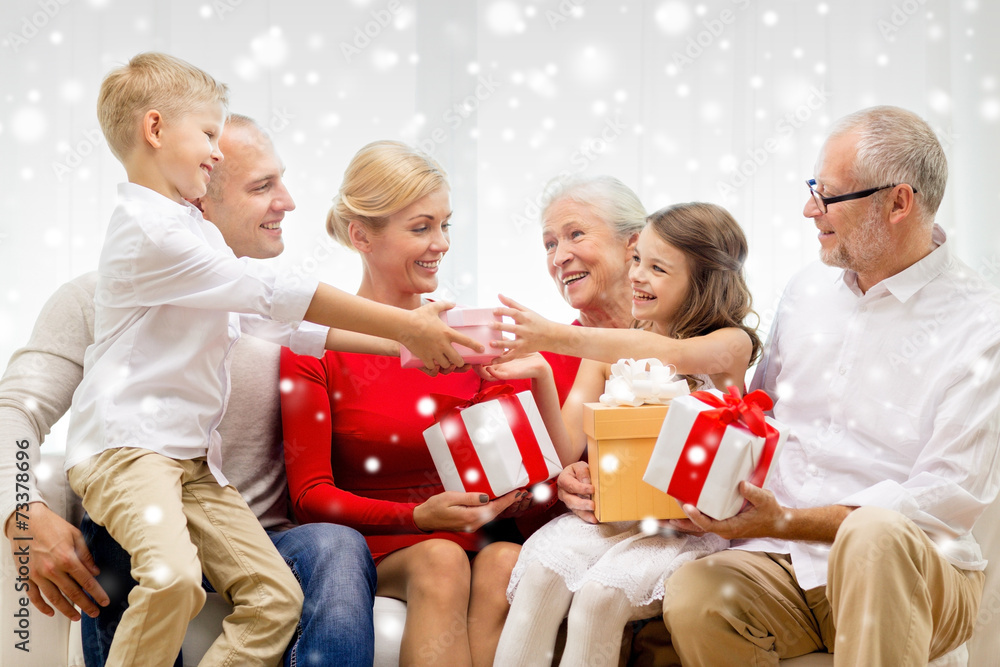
891, 600
174, 519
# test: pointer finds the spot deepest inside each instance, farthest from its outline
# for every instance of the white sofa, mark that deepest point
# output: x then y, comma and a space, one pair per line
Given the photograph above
55, 642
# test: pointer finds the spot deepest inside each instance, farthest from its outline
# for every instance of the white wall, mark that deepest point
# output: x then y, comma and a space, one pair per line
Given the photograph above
686, 93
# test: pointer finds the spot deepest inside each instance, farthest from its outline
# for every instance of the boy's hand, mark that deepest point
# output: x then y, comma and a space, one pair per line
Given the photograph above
430, 339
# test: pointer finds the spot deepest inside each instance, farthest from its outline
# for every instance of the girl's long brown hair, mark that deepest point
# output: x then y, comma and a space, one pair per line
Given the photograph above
716, 249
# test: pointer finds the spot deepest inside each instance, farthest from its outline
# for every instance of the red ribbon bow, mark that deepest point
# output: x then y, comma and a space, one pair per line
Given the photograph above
463, 453
709, 426
445, 403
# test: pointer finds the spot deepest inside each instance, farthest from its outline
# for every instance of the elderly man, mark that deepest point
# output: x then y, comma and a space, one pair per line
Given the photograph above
887, 371
247, 201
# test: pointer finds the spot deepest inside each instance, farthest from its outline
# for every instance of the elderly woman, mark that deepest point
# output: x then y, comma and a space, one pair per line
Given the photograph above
353, 424
589, 229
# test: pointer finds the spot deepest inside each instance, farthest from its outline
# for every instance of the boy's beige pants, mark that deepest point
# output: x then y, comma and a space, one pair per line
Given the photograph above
175, 520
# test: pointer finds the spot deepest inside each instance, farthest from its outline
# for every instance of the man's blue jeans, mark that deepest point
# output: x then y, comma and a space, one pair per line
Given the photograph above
331, 562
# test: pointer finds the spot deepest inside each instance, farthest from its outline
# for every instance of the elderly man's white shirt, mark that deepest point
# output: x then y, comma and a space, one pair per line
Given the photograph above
893, 399
171, 300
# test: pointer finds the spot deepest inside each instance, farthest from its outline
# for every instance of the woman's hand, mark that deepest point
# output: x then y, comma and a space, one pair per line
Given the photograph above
430, 339
532, 332
576, 491
521, 504
460, 512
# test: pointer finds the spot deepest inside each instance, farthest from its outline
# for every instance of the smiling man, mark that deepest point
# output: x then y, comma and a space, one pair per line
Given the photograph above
246, 197
246, 200
884, 361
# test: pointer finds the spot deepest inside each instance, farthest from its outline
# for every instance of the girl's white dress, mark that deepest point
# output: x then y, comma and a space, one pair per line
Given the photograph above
618, 554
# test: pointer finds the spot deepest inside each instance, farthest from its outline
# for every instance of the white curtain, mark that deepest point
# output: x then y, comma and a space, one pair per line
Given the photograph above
719, 100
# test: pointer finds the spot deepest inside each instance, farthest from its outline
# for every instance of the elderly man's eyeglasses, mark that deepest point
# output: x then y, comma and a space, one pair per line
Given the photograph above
823, 202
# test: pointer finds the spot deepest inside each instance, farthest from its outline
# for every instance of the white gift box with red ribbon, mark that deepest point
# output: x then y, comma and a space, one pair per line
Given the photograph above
473, 322
709, 443
494, 443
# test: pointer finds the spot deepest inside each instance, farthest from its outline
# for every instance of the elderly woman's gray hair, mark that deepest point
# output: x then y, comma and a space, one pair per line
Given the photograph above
613, 200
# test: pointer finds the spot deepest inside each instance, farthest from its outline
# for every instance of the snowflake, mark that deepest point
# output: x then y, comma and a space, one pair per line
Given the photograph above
990, 109
426, 406
162, 574
28, 124
542, 492
673, 17
697, 455
270, 49
504, 18
153, 515
384, 59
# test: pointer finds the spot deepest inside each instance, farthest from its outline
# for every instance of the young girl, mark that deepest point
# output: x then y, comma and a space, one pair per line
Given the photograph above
688, 287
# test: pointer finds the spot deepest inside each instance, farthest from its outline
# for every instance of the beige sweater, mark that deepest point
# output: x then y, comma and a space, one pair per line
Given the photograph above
37, 389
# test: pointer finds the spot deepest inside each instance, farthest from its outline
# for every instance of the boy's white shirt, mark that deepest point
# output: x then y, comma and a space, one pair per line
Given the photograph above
171, 301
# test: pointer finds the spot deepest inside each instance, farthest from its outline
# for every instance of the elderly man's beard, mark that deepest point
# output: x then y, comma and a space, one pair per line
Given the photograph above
866, 246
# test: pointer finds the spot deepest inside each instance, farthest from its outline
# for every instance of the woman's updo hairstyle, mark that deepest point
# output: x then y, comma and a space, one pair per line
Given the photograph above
383, 178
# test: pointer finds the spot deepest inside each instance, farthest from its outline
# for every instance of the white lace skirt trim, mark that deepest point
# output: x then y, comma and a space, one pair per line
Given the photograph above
618, 555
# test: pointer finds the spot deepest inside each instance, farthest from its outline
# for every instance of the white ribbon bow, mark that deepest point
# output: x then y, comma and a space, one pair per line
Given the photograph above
631, 384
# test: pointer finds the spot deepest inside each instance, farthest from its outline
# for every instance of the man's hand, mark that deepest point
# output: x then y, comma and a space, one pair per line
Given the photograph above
763, 517
576, 491
61, 567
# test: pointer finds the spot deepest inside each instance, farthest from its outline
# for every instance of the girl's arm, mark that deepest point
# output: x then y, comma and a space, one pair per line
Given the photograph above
587, 388
543, 390
726, 351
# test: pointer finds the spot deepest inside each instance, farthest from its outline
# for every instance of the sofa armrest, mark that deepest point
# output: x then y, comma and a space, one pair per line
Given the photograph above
47, 638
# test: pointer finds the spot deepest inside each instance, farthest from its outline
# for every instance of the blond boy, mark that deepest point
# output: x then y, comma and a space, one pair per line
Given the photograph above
143, 451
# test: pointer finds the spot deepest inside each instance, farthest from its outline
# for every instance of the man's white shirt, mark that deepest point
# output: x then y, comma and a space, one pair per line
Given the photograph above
893, 399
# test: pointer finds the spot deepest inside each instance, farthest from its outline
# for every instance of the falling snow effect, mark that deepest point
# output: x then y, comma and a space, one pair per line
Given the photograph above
559, 80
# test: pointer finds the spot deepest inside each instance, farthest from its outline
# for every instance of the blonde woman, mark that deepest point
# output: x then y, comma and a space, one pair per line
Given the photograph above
353, 427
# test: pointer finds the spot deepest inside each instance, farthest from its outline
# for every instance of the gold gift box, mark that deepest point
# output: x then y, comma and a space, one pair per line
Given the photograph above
620, 441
